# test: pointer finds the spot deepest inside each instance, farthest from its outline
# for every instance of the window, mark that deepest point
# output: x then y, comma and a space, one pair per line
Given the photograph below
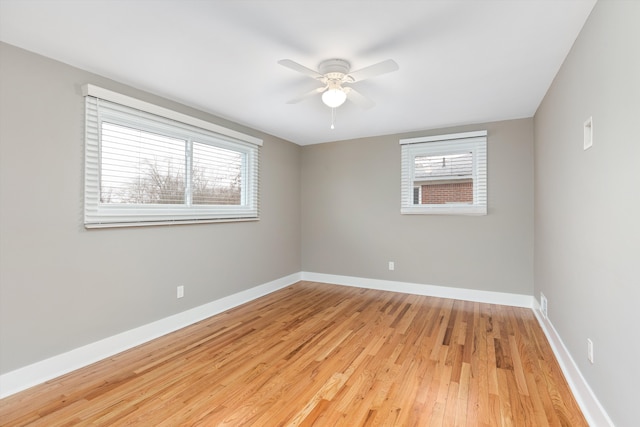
146, 165
445, 174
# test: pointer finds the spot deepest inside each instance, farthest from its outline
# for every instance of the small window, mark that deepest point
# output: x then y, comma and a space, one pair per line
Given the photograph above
445, 174
144, 169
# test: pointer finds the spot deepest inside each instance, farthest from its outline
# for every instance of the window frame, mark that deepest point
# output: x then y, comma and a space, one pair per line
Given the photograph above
103, 105
474, 142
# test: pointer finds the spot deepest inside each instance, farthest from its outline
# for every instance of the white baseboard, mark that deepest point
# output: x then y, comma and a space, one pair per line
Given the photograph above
39, 372
516, 300
591, 408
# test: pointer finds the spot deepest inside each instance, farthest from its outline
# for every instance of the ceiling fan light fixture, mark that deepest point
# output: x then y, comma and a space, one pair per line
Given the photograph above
334, 97
333, 74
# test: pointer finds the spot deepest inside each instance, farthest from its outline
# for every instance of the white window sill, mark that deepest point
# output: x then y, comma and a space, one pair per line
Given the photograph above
444, 210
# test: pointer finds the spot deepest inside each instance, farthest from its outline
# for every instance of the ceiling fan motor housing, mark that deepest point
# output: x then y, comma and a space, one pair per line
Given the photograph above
334, 69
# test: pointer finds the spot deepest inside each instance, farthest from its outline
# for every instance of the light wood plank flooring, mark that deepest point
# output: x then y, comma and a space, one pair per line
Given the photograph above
323, 355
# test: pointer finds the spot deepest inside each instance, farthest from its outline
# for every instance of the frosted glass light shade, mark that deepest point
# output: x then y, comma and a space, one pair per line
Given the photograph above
334, 97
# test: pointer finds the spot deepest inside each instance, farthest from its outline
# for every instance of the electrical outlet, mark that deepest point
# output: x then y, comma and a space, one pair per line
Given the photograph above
392, 265
590, 350
180, 291
543, 305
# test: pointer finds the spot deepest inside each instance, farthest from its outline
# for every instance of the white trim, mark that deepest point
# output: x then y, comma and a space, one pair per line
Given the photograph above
39, 372
591, 408
98, 92
447, 137
175, 222
448, 209
490, 297
589, 404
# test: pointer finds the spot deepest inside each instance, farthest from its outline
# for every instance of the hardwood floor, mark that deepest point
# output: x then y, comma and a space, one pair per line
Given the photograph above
323, 355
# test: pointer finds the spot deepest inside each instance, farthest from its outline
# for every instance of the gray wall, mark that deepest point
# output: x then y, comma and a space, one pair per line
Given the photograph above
351, 221
587, 205
62, 286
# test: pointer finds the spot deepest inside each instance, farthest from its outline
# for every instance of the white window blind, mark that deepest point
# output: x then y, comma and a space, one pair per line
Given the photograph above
444, 174
142, 168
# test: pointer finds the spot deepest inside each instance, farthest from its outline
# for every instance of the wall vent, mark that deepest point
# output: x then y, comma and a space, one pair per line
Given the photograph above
588, 133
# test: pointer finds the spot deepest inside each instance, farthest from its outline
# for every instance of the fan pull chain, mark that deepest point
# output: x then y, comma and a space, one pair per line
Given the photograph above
333, 118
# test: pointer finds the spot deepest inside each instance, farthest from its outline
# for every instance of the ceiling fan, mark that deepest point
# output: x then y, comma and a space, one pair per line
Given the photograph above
335, 74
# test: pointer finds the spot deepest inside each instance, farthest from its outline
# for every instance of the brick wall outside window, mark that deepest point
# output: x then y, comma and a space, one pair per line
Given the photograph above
452, 192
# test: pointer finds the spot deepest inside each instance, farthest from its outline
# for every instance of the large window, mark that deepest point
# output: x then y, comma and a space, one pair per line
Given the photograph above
144, 168
445, 174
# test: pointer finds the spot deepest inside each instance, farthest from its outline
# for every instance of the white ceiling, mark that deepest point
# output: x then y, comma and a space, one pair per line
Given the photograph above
461, 62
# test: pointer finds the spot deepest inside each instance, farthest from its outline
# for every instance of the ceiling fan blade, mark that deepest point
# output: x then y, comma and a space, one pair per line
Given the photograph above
300, 68
359, 99
306, 95
374, 70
